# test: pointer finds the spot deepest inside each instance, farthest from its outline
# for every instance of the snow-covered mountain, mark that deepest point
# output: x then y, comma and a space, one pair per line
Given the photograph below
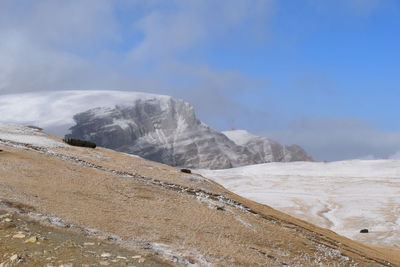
267, 150
156, 127
166, 130
160, 129
344, 196
54, 110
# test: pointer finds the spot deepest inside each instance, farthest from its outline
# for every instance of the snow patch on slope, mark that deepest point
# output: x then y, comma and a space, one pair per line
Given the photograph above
26, 135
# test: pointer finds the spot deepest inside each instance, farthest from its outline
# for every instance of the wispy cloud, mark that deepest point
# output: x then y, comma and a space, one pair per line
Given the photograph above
156, 46
40, 41
54, 111
68, 45
337, 139
187, 24
395, 156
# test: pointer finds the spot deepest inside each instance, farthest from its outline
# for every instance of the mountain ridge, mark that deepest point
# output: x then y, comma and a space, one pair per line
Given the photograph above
54, 112
168, 131
267, 149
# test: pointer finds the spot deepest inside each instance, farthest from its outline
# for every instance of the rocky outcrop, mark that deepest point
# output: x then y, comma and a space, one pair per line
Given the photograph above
166, 130
267, 150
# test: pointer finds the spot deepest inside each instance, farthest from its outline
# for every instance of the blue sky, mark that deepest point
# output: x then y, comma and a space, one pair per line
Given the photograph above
346, 65
323, 74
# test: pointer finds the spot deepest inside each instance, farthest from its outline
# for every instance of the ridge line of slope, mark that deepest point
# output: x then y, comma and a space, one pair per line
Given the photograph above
171, 186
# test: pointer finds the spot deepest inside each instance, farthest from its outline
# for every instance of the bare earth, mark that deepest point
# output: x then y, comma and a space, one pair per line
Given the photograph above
128, 206
25, 242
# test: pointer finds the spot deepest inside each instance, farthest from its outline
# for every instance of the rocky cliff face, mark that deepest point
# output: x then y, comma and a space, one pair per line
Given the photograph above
267, 150
166, 130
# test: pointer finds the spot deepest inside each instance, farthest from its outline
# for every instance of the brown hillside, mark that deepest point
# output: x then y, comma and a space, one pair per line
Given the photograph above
161, 213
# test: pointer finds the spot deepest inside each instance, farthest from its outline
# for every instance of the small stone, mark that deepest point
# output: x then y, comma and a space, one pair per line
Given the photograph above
14, 257
136, 257
88, 244
121, 257
19, 236
104, 263
66, 265
141, 260
7, 220
33, 239
106, 255
116, 260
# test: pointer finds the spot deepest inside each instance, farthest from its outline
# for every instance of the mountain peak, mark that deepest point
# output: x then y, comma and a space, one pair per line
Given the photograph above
156, 127
55, 109
167, 131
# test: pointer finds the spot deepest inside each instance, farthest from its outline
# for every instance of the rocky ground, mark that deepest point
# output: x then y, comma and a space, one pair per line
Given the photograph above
25, 242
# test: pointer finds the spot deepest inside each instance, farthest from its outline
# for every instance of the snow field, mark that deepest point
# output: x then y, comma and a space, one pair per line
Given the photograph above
343, 196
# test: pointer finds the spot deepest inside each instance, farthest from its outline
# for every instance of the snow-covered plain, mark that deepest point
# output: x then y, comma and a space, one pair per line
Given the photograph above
343, 196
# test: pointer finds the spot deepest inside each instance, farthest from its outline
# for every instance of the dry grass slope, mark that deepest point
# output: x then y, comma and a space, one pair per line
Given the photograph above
159, 211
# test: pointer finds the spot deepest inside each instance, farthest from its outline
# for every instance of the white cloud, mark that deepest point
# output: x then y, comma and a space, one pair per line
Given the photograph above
54, 111
395, 155
338, 139
42, 40
48, 22
185, 24
51, 45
